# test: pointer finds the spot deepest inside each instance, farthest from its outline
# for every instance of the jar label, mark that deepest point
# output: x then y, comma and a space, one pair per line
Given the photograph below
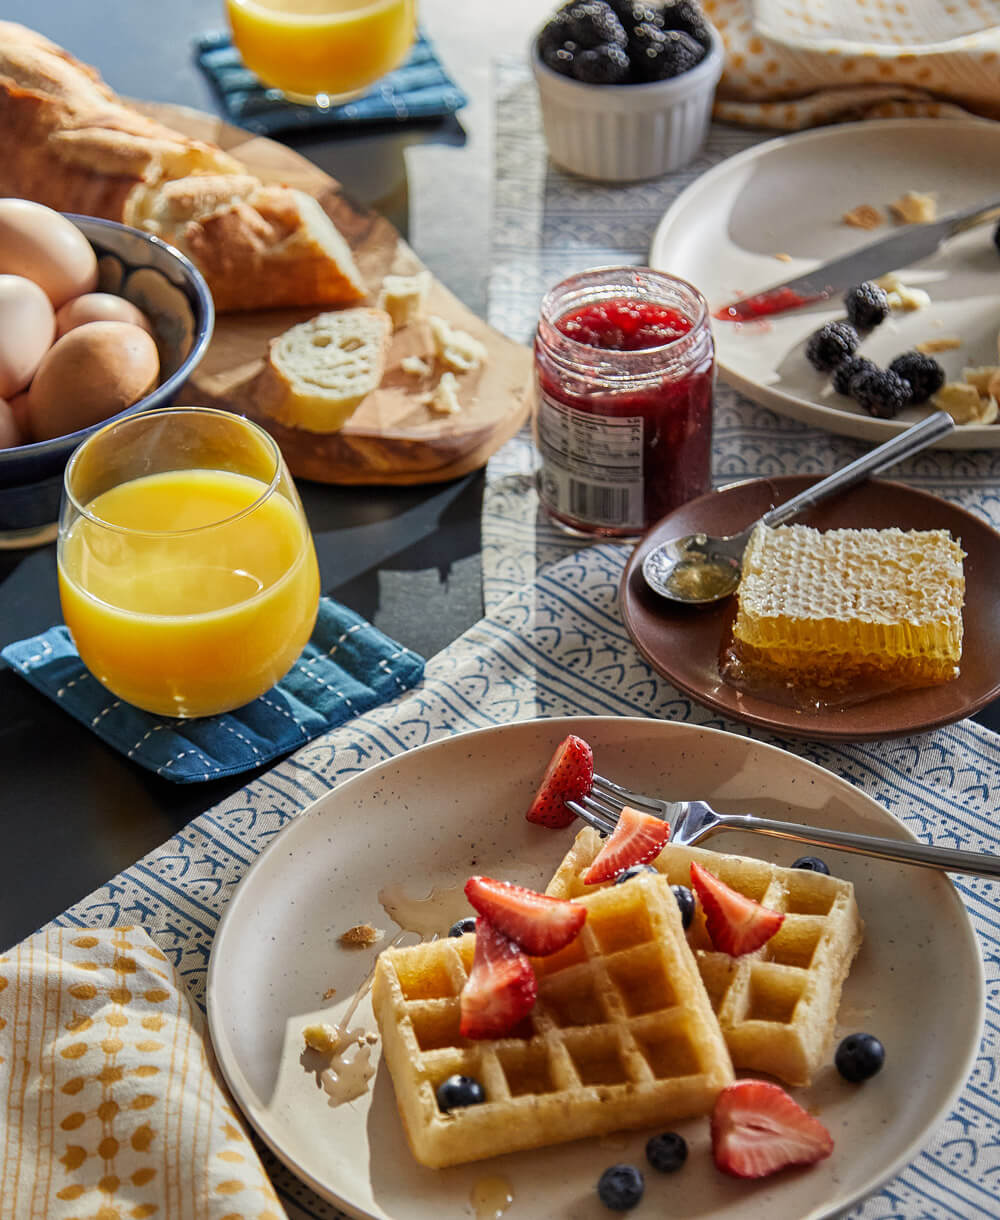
591, 465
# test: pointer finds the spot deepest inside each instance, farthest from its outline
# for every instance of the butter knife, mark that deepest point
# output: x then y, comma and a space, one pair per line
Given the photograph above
902, 249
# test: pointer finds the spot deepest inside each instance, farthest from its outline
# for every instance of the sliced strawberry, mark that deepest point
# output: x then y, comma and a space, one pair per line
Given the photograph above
538, 924
736, 924
568, 778
638, 838
501, 988
758, 1129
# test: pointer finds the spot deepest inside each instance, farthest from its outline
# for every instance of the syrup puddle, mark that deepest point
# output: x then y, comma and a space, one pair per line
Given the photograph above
429, 917
348, 1074
490, 1197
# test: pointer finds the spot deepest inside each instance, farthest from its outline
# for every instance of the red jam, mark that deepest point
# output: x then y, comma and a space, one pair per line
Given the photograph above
624, 366
775, 300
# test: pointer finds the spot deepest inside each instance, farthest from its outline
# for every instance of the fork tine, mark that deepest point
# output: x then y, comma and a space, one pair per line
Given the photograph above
593, 815
609, 790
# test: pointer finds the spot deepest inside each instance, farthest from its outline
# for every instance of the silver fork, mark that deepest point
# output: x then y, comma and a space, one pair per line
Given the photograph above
692, 821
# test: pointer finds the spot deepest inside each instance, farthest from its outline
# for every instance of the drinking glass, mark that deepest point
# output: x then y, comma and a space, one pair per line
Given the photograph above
322, 52
187, 572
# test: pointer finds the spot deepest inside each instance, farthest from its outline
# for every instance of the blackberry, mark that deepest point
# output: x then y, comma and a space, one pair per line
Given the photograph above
554, 32
831, 344
604, 65
687, 16
620, 1187
844, 371
881, 392
593, 23
635, 12
923, 373
859, 1057
866, 305
669, 53
561, 59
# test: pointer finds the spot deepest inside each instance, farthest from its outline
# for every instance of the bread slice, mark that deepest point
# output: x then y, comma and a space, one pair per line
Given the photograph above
319, 371
72, 144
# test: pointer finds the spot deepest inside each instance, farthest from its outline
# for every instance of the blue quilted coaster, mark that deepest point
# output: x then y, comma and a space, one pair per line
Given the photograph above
418, 89
348, 667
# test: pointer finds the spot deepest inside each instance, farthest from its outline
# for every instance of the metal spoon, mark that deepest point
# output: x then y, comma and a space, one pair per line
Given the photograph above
697, 570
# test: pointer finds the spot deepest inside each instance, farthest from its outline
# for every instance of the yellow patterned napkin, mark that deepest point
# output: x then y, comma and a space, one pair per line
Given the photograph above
111, 1105
795, 63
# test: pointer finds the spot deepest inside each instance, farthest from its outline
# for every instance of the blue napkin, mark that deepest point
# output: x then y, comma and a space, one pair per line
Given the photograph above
348, 667
418, 89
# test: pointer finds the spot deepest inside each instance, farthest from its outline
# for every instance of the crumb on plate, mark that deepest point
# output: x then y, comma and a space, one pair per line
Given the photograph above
361, 936
914, 208
864, 216
947, 343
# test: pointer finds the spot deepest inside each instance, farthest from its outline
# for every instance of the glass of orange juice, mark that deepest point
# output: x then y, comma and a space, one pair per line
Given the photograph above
187, 572
322, 52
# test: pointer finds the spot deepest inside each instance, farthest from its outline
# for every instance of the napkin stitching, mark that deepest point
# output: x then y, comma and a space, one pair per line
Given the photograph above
384, 664
303, 667
337, 643
69, 685
209, 766
242, 736
145, 737
104, 711
284, 711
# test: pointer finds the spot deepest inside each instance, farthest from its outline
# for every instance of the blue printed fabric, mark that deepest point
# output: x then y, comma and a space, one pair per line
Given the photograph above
418, 89
347, 668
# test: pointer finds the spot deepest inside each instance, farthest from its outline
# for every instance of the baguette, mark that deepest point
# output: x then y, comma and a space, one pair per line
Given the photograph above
319, 372
73, 145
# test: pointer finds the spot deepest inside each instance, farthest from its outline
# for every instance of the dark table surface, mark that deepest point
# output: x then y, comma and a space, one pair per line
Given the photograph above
73, 811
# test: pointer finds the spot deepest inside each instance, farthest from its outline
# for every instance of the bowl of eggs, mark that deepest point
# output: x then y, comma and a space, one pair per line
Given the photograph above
97, 320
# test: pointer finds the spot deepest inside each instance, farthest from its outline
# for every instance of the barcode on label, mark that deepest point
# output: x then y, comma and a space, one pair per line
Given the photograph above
602, 505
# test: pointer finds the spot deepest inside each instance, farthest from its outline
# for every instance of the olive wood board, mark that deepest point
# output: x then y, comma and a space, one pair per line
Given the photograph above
393, 437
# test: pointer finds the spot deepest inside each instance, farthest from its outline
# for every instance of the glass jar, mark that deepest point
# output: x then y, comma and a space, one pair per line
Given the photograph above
624, 374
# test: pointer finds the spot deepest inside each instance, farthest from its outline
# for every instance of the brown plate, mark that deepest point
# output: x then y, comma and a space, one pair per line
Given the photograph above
683, 644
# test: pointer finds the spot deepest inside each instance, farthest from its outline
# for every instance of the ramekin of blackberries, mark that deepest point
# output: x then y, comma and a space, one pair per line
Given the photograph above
626, 86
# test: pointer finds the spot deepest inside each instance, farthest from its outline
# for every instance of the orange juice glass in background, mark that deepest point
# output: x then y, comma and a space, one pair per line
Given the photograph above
187, 572
322, 52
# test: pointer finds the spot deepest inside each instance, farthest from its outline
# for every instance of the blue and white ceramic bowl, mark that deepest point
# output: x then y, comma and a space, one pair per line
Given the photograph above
172, 293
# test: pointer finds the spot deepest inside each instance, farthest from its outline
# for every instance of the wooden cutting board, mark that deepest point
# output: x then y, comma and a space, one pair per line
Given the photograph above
393, 437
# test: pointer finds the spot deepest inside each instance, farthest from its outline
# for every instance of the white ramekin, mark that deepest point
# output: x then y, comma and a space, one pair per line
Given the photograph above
622, 133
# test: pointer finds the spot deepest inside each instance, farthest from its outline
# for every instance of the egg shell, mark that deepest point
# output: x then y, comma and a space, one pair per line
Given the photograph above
10, 433
27, 328
90, 374
98, 307
45, 247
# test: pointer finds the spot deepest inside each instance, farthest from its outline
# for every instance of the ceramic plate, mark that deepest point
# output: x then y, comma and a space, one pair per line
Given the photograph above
684, 643
431, 817
786, 197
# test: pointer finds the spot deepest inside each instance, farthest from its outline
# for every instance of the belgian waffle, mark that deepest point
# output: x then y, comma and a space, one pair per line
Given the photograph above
777, 1006
622, 1035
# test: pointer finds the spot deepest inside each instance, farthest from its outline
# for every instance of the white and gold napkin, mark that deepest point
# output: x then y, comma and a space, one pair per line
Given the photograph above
796, 63
111, 1105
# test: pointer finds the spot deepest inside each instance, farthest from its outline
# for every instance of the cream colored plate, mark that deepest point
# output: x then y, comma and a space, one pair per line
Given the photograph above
437, 814
787, 196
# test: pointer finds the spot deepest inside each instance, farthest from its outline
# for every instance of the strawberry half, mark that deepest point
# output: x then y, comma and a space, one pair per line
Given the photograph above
637, 839
736, 924
501, 988
567, 778
538, 924
758, 1129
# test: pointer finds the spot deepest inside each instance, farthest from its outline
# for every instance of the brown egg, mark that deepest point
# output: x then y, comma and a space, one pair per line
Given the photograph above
27, 328
44, 246
10, 433
98, 307
90, 374
19, 405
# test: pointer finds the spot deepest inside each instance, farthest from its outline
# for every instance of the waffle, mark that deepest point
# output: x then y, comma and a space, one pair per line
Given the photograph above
622, 1035
777, 1007
847, 608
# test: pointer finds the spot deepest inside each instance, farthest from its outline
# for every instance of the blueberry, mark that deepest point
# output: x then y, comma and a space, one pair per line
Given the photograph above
468, 924
685, 900
459, 1091
636, 870
620, 1187
667, 1152
812, 864
859, 1057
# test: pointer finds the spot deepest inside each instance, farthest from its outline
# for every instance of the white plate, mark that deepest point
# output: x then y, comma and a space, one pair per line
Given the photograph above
435, 815
787, 196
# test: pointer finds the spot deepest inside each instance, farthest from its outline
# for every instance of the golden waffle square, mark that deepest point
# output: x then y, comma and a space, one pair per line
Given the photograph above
777, 1007
622, 1035
846, 608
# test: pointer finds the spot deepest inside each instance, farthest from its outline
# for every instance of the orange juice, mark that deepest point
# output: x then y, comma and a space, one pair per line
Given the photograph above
311, 48
201, 601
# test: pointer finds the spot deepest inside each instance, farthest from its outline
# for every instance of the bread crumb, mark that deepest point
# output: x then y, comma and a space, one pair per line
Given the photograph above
403, 297
913, 208
444, 399
456, 348
784, 258
982, 378
900, 295
946, 344
361, 936
864, 216
965, 404
329, 993
416, 366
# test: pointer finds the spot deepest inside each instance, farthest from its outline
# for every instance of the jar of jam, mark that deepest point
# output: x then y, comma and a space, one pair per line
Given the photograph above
624, 373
